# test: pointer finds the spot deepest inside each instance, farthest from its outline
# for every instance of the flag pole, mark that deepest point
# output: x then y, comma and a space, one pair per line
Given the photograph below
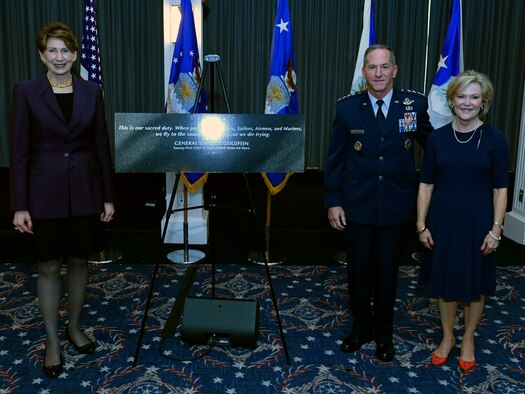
426, 47
267, 227
267, 257
186, 255
185, 226
91, 70
185, 54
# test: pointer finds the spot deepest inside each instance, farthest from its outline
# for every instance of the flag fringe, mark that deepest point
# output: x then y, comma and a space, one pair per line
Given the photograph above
276, 189
193, 187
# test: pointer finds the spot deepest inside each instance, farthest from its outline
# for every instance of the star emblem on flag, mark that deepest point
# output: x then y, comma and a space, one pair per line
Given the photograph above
282, 26
441, 63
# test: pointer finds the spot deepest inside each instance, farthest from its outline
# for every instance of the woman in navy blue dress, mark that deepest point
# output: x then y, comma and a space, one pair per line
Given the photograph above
461, 205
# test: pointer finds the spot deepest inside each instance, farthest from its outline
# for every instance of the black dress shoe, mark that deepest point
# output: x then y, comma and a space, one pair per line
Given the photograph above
88, 348
353, 343
52, 371
385, 351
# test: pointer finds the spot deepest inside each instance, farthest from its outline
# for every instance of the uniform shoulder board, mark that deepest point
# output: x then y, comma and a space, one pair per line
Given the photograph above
350, 95
413, 92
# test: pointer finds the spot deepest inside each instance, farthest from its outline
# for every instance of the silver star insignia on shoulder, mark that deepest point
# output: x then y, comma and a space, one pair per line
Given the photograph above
412, 92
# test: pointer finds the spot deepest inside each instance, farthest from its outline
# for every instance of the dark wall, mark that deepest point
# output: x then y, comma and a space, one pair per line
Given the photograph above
326, 38
298, 222
326, 35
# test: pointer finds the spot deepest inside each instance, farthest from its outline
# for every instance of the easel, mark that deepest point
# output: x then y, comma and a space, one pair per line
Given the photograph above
171, 324
215, 60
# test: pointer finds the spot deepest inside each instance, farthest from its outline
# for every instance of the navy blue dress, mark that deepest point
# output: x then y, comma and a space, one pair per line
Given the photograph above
461, 209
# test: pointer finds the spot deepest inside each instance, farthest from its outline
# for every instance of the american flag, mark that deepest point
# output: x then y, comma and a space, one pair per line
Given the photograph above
90, 69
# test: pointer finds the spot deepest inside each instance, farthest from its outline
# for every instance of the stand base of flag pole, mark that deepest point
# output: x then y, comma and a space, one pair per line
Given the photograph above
340, 258
259, 257
105, 256
194, 256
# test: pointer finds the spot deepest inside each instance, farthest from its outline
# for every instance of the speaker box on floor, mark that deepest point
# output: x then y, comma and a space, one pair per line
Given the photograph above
212, 321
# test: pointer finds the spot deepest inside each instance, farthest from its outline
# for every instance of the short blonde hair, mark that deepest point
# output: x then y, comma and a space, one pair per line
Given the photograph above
56, 30
463, 80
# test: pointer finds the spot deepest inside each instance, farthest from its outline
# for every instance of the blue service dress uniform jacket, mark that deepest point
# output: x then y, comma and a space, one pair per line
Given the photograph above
371, 173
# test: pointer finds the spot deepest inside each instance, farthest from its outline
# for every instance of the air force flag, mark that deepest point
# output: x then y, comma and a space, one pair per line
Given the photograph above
184, 81
281, 91
368, 38
449, 66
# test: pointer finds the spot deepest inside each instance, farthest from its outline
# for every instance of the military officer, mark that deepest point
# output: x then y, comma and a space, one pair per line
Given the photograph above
370, 191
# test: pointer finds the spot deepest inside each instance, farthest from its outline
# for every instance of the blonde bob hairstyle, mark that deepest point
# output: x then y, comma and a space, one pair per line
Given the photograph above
464, 79
56, 30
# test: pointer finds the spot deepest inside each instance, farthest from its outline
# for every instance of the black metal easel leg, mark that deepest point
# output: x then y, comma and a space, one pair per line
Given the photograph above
277, 315
155, 271
250, 196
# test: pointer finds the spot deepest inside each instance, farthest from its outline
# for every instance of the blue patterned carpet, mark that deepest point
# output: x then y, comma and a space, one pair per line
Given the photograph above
314, 310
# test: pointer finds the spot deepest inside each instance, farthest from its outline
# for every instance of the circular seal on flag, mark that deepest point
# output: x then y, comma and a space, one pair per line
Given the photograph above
277, 95
182, 94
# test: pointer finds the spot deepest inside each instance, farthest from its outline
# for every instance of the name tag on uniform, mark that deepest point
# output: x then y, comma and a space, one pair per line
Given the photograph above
357, 132
408, 123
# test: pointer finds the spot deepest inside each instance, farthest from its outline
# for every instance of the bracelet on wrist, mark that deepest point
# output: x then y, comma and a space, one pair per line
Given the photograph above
420, 231
497, 224
493, 236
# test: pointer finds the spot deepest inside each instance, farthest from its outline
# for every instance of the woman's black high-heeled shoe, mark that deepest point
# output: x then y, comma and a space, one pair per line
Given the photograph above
52, 371
88, 348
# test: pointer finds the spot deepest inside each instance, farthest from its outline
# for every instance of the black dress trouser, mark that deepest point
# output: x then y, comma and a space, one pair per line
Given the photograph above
373, 264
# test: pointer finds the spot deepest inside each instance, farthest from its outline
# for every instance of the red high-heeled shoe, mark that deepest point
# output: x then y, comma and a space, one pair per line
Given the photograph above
437, 360
466, 365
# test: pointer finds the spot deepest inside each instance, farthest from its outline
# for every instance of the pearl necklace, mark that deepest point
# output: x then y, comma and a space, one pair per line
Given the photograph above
468, 140
67, 84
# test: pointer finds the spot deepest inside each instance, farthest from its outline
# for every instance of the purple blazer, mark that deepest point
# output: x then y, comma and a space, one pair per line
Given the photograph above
59, 169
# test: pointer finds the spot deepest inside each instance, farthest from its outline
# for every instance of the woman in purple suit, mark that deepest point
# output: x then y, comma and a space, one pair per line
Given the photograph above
60, 181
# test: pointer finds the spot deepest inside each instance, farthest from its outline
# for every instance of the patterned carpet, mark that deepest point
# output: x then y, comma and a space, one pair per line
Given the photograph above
314, 310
